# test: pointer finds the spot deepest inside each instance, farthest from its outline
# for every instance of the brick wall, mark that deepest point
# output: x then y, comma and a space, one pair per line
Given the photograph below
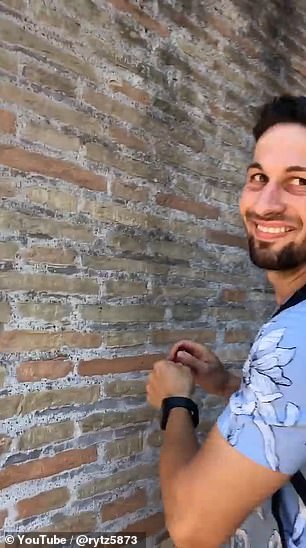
124, 135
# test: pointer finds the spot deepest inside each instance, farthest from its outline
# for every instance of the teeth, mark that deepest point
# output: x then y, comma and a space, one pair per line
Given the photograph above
273, 230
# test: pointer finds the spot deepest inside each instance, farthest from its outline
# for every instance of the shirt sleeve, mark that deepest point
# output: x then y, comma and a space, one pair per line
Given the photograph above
266, 418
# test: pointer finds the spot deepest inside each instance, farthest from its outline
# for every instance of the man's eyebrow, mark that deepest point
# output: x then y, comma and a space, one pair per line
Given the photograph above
256, 165
295, 168
289, 169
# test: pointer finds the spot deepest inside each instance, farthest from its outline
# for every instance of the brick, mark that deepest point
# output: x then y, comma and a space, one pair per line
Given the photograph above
42, 503
237, 336
151, 525
88, 11
33, 226
130, 192
171, 336
19, 5
172, 250
3, 516
122, 448
38, 436
122, 339
223, 238
9, 406
117, 479
26, 341
46, 15
135, 168
97, 421
52, 167
186, 312
183, 292
124, 505
13, 34
5, 443
2, 375
7, 122
121, 288
48, 255
53, 312
84, 521
50, 136
141, 17
125, 388
5, 312
32, 371
180, 18
49, 79
134, 93
229, 354
121, 264
226, 29
16, 281
47, 466
122, 314
36, 401
227, 314
41, 105
7, 187
104, 366
123, 137
8, 61
124, 242
109, 106
8, 251
199, 209
236, 295
155, 438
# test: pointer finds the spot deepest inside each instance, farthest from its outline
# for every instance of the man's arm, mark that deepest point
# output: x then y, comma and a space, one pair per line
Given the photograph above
208, 492
179, 446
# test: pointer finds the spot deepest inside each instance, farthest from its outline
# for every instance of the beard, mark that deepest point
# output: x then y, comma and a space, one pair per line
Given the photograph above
290, 257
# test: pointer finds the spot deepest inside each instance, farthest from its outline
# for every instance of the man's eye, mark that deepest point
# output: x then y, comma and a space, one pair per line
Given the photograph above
258, 178
298, 181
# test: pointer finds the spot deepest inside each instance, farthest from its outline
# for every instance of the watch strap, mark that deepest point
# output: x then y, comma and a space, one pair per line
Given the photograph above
179, 401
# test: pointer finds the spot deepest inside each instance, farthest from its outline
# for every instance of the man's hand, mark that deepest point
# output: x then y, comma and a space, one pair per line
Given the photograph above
208, 371
169, 379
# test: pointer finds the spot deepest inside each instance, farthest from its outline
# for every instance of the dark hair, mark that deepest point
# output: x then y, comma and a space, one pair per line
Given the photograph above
283, 109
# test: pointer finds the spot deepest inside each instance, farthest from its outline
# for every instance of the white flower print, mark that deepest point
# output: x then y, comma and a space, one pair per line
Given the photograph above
240, 540
298, 527
263, 377
275, 540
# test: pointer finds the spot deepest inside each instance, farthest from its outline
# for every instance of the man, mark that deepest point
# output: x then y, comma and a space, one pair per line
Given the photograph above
224, 488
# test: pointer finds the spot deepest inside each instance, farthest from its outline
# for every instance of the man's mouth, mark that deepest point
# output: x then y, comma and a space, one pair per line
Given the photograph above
271, 231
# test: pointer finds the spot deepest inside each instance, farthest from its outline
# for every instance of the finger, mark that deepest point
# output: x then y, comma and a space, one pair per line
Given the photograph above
188, 360
192, 347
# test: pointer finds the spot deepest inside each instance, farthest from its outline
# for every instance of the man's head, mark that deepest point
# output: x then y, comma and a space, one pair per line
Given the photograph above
273, 201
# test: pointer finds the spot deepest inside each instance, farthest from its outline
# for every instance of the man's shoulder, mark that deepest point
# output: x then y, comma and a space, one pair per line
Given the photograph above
291, 320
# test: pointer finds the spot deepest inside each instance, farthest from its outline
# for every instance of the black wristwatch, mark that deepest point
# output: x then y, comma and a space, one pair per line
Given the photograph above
178, 401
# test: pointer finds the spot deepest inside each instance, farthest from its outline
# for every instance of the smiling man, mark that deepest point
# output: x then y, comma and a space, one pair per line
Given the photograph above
243, 482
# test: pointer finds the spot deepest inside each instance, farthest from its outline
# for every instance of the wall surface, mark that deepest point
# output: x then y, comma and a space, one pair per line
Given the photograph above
125, 129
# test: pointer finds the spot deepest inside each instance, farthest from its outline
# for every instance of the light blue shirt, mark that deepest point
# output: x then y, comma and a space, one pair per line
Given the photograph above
265, 420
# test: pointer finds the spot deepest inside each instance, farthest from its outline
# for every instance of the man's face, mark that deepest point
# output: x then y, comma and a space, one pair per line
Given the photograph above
273, 201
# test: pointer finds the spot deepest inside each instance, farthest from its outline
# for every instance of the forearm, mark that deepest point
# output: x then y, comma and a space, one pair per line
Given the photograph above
179, 446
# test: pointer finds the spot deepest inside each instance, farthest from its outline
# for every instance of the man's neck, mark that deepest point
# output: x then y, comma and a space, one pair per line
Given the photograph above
286, 284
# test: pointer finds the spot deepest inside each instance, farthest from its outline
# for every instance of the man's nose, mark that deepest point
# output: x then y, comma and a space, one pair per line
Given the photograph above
270, 200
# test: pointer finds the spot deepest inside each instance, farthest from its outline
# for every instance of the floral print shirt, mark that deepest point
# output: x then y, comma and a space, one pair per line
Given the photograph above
266, 421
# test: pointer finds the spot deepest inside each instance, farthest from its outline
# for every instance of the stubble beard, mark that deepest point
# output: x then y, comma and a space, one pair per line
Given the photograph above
290, 257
